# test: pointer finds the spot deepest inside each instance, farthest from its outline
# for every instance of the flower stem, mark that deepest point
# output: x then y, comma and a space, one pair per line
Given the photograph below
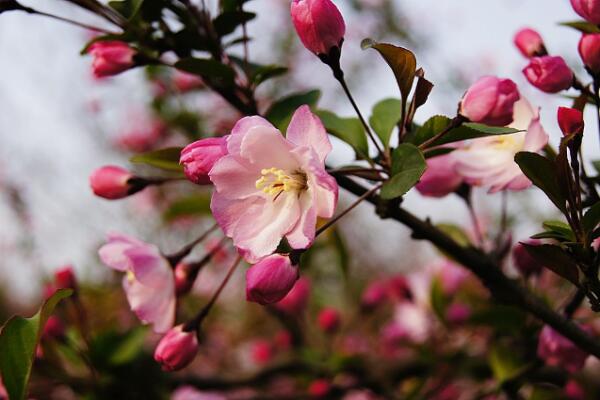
69, 21
175, 258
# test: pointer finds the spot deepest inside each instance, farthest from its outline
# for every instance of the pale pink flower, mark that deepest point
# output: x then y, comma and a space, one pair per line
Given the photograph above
269, 187
149, 281
440, 177
489, 161
3, 392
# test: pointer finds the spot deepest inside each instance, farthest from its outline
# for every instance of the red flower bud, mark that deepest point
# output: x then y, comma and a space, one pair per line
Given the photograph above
111, 57
319, 388
490, 101
524, 262
570, 120
329, 320
589, 50
588, 9
262, 351
176, 349
530, 43
54, 329
269, 280
111, 182
319, 24
374, 295
550, 74
64, 278
199, 157
297, 299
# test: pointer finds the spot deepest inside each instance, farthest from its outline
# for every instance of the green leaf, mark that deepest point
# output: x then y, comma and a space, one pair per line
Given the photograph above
503, 319
127, 8
265, 72
456, 232
504, 362
280, 113
555, 259
167, 159
408, 164
231, 5
402, 62
469, 130
385, 116
18, 340
560, 228
439, 300
341, 251
226, 22
129, 347
349, 130
581, 26
211, 70
188, 206
591, 218
541, 172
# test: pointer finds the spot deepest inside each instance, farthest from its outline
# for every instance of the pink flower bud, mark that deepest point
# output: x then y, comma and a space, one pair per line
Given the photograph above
319, 388
64, 278
283, 340
524, 262
588, 9
570, 120
269, 280
440, 177
111, 182
54, 329
3, 392
262, 351
490, 101
176, 349
183, 278
374, 295
319, 24
111, 57
329, 320
185, 82
550, 74
556, 350
399, 288
589, 50
574, 391
297, 299
199, 157
458, 313
530, 43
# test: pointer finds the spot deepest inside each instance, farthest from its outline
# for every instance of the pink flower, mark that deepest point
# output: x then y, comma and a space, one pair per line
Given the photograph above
489, 161
64, 278
589, 50
111, 57
375, 294
185, 82
269, 187
319, 24
149, 281
199, 157
176, 349
530, 43
297, 299
269, 280
283, 340
458, 313
143, 134
111, 182
3, 392
588, 9
556, 350
490, 101
399, 288
54, 329
570, 120
191, 393
319, 388
452, 276
262, 351
329, 320
524, 262
440, 177
574, 391
550, 74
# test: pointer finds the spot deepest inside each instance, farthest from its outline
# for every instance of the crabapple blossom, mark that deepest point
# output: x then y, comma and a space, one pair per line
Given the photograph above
556, 350
64, 278
297, 299
319, 24
440, 177
524, 262
176, 349
111, 57
570, 120
529, 42
550, 74
329, 320
111, 182
199, 157
490, 101
149, 281
269, 280
489, 161
589, 50
269, 187
588, 9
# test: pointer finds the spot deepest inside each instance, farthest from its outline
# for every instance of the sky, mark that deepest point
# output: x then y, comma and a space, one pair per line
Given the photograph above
49, 144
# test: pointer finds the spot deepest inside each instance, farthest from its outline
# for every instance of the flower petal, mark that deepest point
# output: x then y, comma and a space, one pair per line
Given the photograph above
306, 129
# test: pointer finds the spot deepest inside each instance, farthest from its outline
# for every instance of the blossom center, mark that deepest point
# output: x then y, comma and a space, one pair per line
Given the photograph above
508, 142
274, 181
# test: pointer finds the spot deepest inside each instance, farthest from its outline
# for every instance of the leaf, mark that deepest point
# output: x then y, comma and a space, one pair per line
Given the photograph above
265, 72
385, 116
280, 113
560, 229
422, 90
18, 340
231, 5
456, 233
349, 130
127, 8
439, 300
555, 259
226, 22
188, 206
541, 172
596, 165
167, 159
503, 319
591, 218
505, 363
469, 130
408, 164
402, 62
211, 70
129, 347
581, 26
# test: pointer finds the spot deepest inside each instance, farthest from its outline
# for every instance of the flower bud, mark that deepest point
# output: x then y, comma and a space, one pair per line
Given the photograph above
184, 275
319, 25
440, 177
54, 329
297, 299
399, 288
458, 313
111, 58
3, 392
589, 50
530, 43
262, 351
374, 295
269, 280
556, 350
490, 101
570, 120
64, 278
176, 349
199, 157
319, 388
588, 9
524, 262
329, 320
574, 391
550, 74
283, 340
111, 182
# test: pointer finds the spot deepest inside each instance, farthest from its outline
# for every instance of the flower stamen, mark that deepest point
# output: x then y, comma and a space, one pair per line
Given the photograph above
274, 181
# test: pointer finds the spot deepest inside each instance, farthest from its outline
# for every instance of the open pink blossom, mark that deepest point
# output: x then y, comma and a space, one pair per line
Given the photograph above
149, 281
489, 161
269, 187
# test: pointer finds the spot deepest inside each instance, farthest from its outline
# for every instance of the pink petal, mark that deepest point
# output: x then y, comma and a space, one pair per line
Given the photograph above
303, 234
306, 129
234, 178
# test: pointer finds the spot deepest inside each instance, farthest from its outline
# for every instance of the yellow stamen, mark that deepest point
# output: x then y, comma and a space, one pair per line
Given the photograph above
274, 181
